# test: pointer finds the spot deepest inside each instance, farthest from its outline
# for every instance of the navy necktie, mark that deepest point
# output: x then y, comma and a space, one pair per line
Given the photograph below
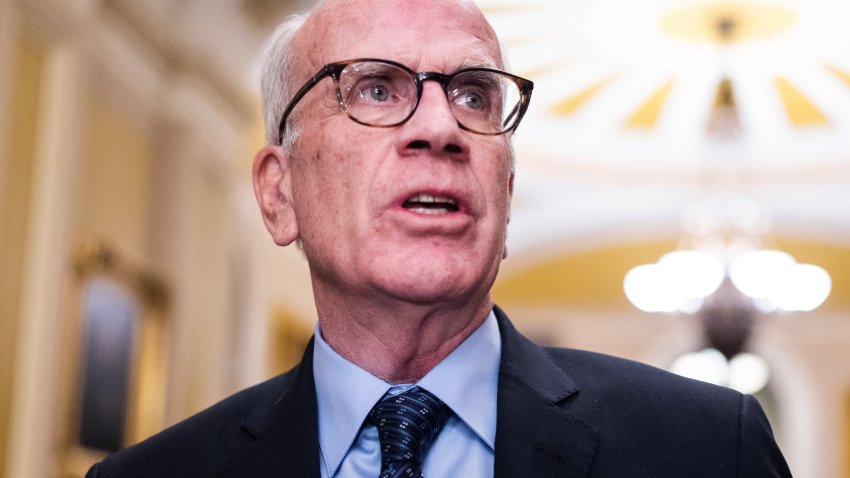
408, 424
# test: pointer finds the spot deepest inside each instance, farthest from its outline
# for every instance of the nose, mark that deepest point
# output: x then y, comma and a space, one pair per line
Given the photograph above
433, 127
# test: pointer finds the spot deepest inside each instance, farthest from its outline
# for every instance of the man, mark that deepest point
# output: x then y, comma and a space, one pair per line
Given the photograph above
397, 185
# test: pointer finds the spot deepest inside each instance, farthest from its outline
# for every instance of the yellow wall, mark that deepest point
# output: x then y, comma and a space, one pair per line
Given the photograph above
15, 200
593, 280
590, 280
116, 197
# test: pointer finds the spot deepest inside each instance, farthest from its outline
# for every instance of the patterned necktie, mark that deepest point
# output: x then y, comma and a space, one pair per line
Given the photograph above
408, 424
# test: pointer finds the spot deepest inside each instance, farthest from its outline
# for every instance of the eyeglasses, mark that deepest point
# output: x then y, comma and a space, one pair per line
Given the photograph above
384, 94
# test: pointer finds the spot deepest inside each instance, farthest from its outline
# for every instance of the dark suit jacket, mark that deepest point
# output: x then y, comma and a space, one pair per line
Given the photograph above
561, 413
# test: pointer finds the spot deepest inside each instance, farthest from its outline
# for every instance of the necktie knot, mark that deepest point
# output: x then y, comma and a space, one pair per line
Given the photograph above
408, 424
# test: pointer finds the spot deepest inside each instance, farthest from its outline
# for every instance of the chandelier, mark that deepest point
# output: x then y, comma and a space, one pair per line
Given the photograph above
723, 271
724, 245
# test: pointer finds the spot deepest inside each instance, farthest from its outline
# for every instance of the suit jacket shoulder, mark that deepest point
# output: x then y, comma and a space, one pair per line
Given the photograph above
218, 441
608, 416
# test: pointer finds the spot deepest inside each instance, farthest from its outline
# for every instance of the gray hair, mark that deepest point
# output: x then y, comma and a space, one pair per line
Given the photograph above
276, 81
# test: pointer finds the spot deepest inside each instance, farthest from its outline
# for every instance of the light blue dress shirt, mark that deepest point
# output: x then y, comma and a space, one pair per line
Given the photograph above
466, 380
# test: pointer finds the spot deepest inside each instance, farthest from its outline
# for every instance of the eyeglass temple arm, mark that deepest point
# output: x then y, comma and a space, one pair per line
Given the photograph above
329, 69
517, 107
511, 115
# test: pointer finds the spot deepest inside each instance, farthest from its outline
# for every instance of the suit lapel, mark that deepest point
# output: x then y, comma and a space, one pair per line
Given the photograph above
535, 434
280, 437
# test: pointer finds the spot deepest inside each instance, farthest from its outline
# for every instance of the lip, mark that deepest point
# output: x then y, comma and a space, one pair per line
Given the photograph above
458, 198
445, 223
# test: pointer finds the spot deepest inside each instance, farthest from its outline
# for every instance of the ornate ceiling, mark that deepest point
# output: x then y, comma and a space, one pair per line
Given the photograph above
636, 83
642, 107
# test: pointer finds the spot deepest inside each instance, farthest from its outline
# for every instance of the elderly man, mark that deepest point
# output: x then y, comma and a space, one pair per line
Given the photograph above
389, 124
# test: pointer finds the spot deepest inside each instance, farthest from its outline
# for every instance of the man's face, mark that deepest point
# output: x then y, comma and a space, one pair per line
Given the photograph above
416, 212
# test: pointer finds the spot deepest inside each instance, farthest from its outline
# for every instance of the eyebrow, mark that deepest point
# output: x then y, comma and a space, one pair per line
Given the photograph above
476, 63
478, 56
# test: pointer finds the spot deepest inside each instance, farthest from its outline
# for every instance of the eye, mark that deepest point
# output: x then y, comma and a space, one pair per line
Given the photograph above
471, 100
371, 87
375, 92
470, 96
476, 92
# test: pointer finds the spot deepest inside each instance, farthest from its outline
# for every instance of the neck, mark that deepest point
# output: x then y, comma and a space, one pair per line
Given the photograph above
400, 343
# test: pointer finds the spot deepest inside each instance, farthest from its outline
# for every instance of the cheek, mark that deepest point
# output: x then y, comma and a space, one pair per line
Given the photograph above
334, 179
311, 189
498, 180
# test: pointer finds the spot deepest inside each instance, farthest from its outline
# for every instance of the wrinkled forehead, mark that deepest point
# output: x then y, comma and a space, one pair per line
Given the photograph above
441, 35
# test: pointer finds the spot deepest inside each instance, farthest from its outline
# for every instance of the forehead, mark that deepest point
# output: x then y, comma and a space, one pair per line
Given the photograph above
438, 35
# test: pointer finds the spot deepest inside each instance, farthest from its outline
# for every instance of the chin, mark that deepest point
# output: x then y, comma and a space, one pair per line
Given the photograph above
430, 296
430, 281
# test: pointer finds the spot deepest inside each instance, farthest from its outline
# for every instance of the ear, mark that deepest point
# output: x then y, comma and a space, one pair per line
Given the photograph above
272, 179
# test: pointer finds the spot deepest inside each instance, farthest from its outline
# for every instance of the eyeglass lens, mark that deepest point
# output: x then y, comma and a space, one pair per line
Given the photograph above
382, 94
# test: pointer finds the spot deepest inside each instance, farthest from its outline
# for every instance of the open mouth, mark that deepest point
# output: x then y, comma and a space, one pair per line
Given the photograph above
431, 204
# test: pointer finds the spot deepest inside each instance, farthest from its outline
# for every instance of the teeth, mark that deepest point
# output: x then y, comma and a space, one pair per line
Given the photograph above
430, 211
431, 204
430, 198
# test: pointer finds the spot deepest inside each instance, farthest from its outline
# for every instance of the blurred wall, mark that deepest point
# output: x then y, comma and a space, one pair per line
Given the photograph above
122, 161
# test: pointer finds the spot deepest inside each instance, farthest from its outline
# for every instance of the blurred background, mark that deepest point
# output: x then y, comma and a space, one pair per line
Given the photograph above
682, 198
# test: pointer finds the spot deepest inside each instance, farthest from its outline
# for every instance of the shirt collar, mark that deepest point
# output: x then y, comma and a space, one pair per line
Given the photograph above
466, 380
